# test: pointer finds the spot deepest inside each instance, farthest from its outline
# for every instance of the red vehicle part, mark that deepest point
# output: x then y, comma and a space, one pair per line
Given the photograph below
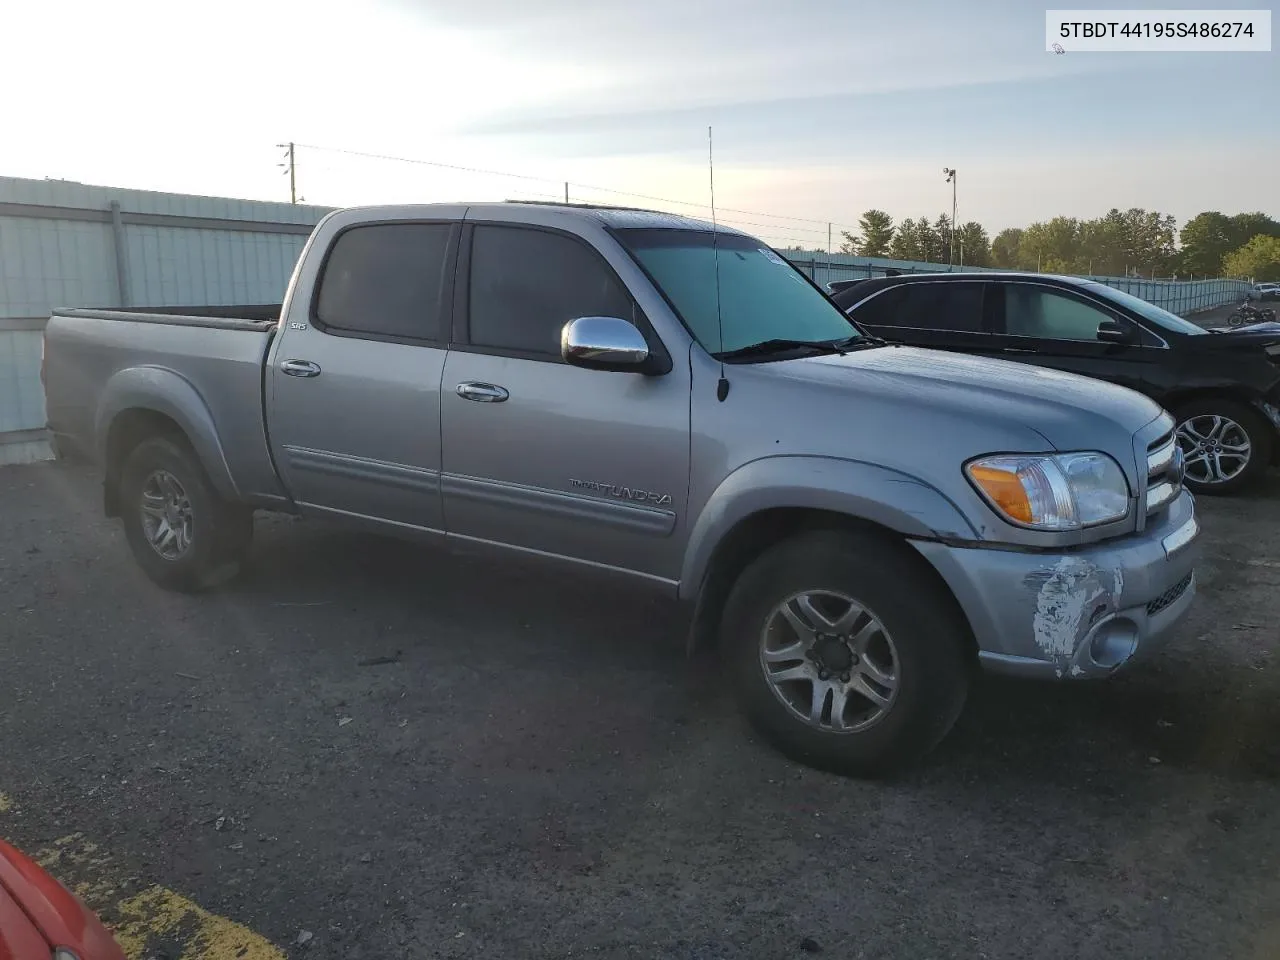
38, 915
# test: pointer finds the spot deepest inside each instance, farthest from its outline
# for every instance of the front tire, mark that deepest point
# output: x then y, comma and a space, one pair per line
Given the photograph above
183, 535
845, 652
1226, 445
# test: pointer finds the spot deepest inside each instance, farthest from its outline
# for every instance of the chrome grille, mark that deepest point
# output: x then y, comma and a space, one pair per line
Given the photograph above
1164, 473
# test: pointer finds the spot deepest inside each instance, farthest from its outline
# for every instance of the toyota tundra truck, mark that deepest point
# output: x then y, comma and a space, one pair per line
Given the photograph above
854, 526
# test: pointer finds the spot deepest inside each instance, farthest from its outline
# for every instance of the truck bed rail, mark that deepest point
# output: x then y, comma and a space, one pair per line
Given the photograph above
183, 319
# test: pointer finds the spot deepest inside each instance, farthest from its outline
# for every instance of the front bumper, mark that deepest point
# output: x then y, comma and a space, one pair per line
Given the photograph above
1077, 613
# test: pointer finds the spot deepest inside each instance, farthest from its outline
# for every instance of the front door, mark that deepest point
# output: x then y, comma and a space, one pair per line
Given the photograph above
355, 391
539, 455
1053, 327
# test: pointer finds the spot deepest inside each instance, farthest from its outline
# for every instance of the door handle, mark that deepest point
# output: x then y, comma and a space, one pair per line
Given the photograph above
482, 392
300, 368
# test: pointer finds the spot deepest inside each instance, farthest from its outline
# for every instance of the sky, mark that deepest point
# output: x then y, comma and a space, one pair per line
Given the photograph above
820, 109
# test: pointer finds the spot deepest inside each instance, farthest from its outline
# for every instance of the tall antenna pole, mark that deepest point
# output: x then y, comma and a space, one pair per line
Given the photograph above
722, 387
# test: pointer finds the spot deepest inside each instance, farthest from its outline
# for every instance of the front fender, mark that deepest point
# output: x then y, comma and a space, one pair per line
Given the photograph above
166, 392
865, 491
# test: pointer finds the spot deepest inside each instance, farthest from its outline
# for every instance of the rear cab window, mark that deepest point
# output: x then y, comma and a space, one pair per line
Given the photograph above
386, 281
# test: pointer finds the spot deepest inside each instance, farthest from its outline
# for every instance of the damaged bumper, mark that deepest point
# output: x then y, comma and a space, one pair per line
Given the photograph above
1080, 613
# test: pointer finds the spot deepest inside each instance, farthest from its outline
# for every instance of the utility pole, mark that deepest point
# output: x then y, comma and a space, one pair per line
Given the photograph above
828, 239
288, 149
566, 191
951, 247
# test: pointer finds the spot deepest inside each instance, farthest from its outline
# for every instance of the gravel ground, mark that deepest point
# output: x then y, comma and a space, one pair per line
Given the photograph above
539, 772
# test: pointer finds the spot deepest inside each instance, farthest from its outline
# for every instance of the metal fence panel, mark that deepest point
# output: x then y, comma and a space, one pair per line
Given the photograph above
22, 416
180, 265
47, 263
1182, 297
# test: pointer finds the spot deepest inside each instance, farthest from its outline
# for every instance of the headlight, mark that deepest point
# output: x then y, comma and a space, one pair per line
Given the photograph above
1063, 492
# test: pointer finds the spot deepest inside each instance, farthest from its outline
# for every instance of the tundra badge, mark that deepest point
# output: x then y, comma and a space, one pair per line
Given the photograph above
621, 492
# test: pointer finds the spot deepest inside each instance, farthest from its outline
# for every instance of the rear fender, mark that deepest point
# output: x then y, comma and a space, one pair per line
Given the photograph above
168, 393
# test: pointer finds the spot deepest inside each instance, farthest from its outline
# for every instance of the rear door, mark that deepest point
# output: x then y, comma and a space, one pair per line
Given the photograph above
943, 314
539, 455
1056, 327
355, 392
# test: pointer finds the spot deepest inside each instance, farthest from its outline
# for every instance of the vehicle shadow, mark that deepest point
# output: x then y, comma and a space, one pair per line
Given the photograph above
1207, 713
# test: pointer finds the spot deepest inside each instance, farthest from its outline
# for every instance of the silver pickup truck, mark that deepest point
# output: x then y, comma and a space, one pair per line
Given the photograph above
855, 526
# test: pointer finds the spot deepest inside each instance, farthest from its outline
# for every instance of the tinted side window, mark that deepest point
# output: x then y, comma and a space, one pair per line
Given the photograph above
1036, 312
882, 310
385, 280
527, 284
955, 307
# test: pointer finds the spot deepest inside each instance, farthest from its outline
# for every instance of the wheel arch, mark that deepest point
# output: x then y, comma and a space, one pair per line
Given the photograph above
746, 516
1184, 395
143, 402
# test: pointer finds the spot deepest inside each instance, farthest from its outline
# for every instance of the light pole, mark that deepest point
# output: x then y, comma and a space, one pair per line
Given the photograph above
951, 247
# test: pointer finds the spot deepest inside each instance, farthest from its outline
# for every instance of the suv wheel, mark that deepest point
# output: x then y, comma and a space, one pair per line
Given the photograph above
181, 533
1226, 445
844, 653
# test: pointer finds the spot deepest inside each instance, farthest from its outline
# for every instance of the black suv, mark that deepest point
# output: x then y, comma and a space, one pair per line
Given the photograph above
1223, 387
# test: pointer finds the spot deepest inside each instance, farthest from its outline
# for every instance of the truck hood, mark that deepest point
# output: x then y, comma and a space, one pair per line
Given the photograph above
1070, 412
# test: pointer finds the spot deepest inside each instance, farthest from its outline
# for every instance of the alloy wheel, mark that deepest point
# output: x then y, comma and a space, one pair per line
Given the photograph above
166, 515
1215, 448
830, 661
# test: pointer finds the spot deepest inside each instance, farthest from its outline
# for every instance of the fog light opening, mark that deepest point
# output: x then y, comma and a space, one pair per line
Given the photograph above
1114, 642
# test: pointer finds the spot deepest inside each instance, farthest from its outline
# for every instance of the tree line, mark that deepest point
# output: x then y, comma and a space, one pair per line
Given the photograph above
1132, 242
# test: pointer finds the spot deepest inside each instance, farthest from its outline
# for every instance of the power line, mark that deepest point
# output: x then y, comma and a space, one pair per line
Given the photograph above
581, 186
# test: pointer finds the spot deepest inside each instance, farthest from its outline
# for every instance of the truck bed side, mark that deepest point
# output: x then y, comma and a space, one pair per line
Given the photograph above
110, 375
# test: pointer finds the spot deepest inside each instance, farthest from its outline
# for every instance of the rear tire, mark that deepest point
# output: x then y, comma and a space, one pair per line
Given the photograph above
898, 674
1212, 433
183, 535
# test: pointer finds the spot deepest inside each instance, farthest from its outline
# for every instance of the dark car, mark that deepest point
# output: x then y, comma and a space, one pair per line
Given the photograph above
1223, 387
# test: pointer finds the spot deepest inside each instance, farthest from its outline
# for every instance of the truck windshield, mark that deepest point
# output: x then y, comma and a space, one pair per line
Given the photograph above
762, 296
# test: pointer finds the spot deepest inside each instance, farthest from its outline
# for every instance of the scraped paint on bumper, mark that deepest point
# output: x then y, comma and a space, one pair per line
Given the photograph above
1081, 613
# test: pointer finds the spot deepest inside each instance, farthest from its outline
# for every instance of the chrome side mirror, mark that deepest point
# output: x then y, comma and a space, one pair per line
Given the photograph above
603, 343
